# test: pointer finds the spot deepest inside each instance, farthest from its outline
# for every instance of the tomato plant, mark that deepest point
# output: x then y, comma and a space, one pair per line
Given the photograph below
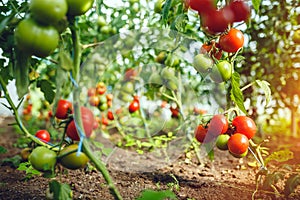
64, 108
69, 159
47, 11
35, 39
245, 125
87, 118
43, 159
232, 41
43, 135
238, 144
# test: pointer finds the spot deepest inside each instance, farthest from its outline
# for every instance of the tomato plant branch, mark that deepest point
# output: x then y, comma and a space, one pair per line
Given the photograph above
14, 109
77, 115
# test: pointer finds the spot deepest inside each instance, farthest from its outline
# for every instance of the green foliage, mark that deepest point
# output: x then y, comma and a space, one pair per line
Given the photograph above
256, 4
280, 156
61, 191
236, 93
157, 195
29, 170
3, 149
265, 86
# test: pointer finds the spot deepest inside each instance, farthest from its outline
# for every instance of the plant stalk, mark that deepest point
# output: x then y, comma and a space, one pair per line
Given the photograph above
77, 115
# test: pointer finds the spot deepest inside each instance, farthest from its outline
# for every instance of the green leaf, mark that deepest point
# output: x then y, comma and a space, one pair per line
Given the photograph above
256, 4
290, 185
2, 149
6, 72
21, 71
157, 195
179, 23
266, 88
66, 62
166, 10
236, 94
61, 191
280, 156
47, 89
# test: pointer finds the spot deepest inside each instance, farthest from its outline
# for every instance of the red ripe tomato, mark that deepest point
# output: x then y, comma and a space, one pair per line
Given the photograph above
217, 20
218, 125
87, 118
238, 144
43, 135
104, 121
134, 106
110, 115
200, 133
240, 9
232, 41
64, 108
201, 5
244, 125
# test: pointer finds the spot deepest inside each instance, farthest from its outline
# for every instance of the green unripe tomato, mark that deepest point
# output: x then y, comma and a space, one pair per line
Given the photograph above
222, 71
48, 11
222, 141
71, 160
35, 39
103, 107
43, 159
167, 73
158, 6
105, 29
155, 80
79, 7
101, 21
172, 84
202, 63
128, 87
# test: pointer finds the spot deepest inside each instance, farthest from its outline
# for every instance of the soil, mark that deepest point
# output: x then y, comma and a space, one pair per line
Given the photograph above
224, 178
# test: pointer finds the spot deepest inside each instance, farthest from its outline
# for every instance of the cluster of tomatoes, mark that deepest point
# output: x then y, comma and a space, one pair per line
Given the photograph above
102, 101
217, 20
233, 137
45, 159
229, 40
38, 34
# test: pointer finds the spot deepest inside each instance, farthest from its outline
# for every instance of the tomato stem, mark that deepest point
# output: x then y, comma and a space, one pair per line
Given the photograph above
77, 115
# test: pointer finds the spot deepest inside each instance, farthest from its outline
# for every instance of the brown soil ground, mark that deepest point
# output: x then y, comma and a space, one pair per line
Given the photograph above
224, 178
